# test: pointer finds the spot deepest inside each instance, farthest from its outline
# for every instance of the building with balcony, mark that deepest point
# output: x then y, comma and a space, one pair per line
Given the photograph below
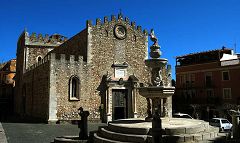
207, 83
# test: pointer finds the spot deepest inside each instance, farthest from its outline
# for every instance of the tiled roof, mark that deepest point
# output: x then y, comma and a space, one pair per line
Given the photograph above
204, 52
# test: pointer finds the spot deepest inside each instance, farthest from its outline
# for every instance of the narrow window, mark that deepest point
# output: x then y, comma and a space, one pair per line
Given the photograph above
227, 93
39, 58
192, 79
106, 33
74, 88
208, 79
182, 81
187, 78
134, 38
210, 96
225, 75
74, 85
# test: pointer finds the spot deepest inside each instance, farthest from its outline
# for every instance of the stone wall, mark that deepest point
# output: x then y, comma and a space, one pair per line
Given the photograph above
34, 52
36, 90
63, 67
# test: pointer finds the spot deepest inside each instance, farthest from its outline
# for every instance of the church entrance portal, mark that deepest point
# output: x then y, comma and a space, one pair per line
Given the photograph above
120, 102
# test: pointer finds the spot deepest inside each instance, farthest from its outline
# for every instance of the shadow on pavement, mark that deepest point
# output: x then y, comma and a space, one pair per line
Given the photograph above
11, 118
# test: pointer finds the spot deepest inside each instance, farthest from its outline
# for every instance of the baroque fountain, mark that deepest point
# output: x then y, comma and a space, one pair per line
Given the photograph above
159, 93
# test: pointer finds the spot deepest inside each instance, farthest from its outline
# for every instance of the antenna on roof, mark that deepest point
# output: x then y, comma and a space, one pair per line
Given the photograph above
235, 47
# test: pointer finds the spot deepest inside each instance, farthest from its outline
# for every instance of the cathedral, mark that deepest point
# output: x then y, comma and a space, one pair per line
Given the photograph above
99, 69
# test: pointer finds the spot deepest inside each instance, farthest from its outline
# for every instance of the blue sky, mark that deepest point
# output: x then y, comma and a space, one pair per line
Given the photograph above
182, 26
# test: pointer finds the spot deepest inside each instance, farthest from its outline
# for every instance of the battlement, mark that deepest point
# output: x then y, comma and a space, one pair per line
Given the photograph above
39, 39
63, 58
118, 19
66, 58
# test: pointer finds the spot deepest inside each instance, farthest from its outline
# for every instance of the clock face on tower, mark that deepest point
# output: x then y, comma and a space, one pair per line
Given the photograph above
120, 31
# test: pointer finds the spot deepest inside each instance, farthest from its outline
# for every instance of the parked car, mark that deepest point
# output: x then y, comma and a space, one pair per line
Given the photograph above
182, 115
222, 123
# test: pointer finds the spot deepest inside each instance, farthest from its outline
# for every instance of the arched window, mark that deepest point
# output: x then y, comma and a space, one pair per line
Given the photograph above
74, 86
39, 58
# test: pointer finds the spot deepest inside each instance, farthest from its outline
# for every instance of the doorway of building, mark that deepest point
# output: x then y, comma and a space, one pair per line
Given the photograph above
120, 102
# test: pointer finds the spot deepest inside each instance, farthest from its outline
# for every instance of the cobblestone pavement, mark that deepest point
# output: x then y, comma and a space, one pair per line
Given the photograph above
39, 133
3, 138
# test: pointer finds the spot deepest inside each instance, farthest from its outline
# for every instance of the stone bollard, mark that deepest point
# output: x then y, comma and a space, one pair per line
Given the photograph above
235, 121
82, 124
156, 128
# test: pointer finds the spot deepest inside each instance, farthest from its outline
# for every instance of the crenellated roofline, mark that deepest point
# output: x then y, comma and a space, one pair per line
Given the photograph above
46, 40
119, 18
40, 40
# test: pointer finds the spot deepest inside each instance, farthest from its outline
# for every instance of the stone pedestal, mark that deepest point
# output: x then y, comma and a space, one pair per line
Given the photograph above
83, 125
158, 98
235, 121
156, 127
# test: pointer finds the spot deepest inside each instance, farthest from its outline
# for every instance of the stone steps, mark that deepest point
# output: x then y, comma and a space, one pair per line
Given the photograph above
105, 135
98, 139
174, 131
121, 136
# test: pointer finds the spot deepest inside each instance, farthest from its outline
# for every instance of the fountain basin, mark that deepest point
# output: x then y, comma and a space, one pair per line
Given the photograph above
156, 63
156, 91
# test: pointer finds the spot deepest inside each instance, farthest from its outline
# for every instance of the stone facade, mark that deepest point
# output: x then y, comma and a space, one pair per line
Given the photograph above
104, 64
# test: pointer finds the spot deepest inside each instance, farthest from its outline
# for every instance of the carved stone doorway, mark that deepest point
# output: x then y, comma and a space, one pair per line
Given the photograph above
120, 103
